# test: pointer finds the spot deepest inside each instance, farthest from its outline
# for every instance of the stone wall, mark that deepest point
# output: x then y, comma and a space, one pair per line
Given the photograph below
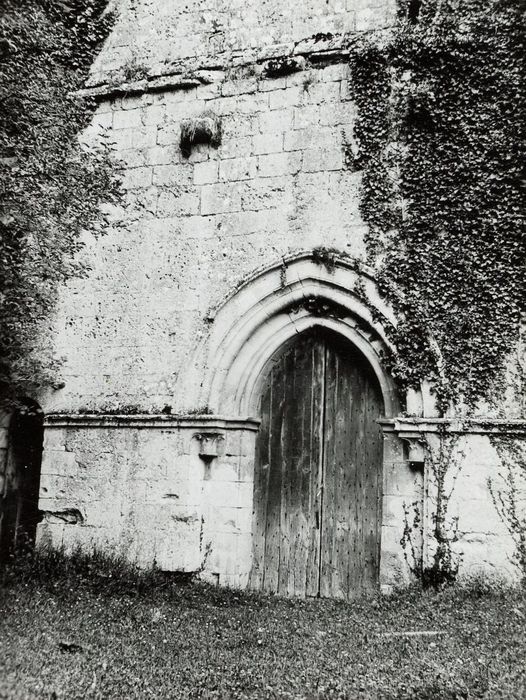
196, 227
156, 36
142, 333
138, 487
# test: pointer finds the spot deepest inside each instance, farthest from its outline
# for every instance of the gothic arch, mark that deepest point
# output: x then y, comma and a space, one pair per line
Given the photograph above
280, 301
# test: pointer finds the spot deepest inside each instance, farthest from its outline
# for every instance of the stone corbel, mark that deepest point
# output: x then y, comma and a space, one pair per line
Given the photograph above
210, 445
412, 437
416, 451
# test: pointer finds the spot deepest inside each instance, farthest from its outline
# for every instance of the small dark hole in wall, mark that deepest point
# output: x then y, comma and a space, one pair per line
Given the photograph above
414, 10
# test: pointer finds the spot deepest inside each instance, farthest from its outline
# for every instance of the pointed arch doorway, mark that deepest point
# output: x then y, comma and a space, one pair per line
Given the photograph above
318, 471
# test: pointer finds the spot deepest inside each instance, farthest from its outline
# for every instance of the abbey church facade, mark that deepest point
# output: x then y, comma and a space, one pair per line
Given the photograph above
227, 408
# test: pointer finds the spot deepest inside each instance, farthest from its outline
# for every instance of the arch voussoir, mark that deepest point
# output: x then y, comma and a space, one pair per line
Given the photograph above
272, 307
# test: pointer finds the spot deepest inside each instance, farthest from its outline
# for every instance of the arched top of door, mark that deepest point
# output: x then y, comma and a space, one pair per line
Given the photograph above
274, 304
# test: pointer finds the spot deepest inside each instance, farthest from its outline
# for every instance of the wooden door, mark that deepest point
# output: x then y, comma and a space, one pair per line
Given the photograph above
317, 478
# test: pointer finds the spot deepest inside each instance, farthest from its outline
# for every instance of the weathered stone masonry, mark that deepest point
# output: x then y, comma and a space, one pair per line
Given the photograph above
211, 271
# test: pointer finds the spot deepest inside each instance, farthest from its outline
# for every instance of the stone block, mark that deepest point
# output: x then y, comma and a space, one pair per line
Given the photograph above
121, 139
133, 158
225, 469
129, 102
162, 155
312, 137
275, 164
54, 439
206, 172
236, 125
476, 515
129, 119
396, 510
153, 115
58, 463
226, 519
373, 17
487, 555
137, 178
322, 93
224, 106
235, 147
337, 114
275, 121
335, 71
287, 98
269, 84
103, 120
167, 175
220, 198
322, 159
145, 137
239, 87
265, 193
400, 479
271, 142
307, 116
251, 104
231, 554
177, 203
221, 493
167, 135
209, 92
234, 169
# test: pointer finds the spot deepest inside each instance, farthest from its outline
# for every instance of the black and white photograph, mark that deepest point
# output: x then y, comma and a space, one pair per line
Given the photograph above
262, 350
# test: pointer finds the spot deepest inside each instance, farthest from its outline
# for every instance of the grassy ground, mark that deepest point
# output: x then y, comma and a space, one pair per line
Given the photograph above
89, 635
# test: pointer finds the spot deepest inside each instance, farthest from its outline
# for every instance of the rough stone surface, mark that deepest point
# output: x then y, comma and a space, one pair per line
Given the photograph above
137, 332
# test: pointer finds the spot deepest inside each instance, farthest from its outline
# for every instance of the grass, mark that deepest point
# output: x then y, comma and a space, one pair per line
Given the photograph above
96, 628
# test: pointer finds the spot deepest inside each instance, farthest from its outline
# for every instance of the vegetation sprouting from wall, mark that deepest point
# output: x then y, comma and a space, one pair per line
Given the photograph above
52, 186
442, 144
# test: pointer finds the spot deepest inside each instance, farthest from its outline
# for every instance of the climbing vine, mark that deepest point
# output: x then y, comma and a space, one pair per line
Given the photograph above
443, 456
52, 187
440, 139
508, 493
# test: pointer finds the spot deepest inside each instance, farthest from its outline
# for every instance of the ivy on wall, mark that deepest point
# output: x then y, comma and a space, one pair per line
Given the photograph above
51, 187
441, 142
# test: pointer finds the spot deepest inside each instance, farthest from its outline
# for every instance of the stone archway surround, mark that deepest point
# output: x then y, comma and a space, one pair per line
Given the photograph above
277, 303
251, 325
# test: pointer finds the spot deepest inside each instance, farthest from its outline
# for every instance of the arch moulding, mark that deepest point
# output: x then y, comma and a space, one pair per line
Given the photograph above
272, 307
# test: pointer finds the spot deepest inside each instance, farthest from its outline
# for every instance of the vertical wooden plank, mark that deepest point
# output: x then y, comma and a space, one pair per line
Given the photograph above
273, 515
259, 507
352, 469
311, 505
286, 527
